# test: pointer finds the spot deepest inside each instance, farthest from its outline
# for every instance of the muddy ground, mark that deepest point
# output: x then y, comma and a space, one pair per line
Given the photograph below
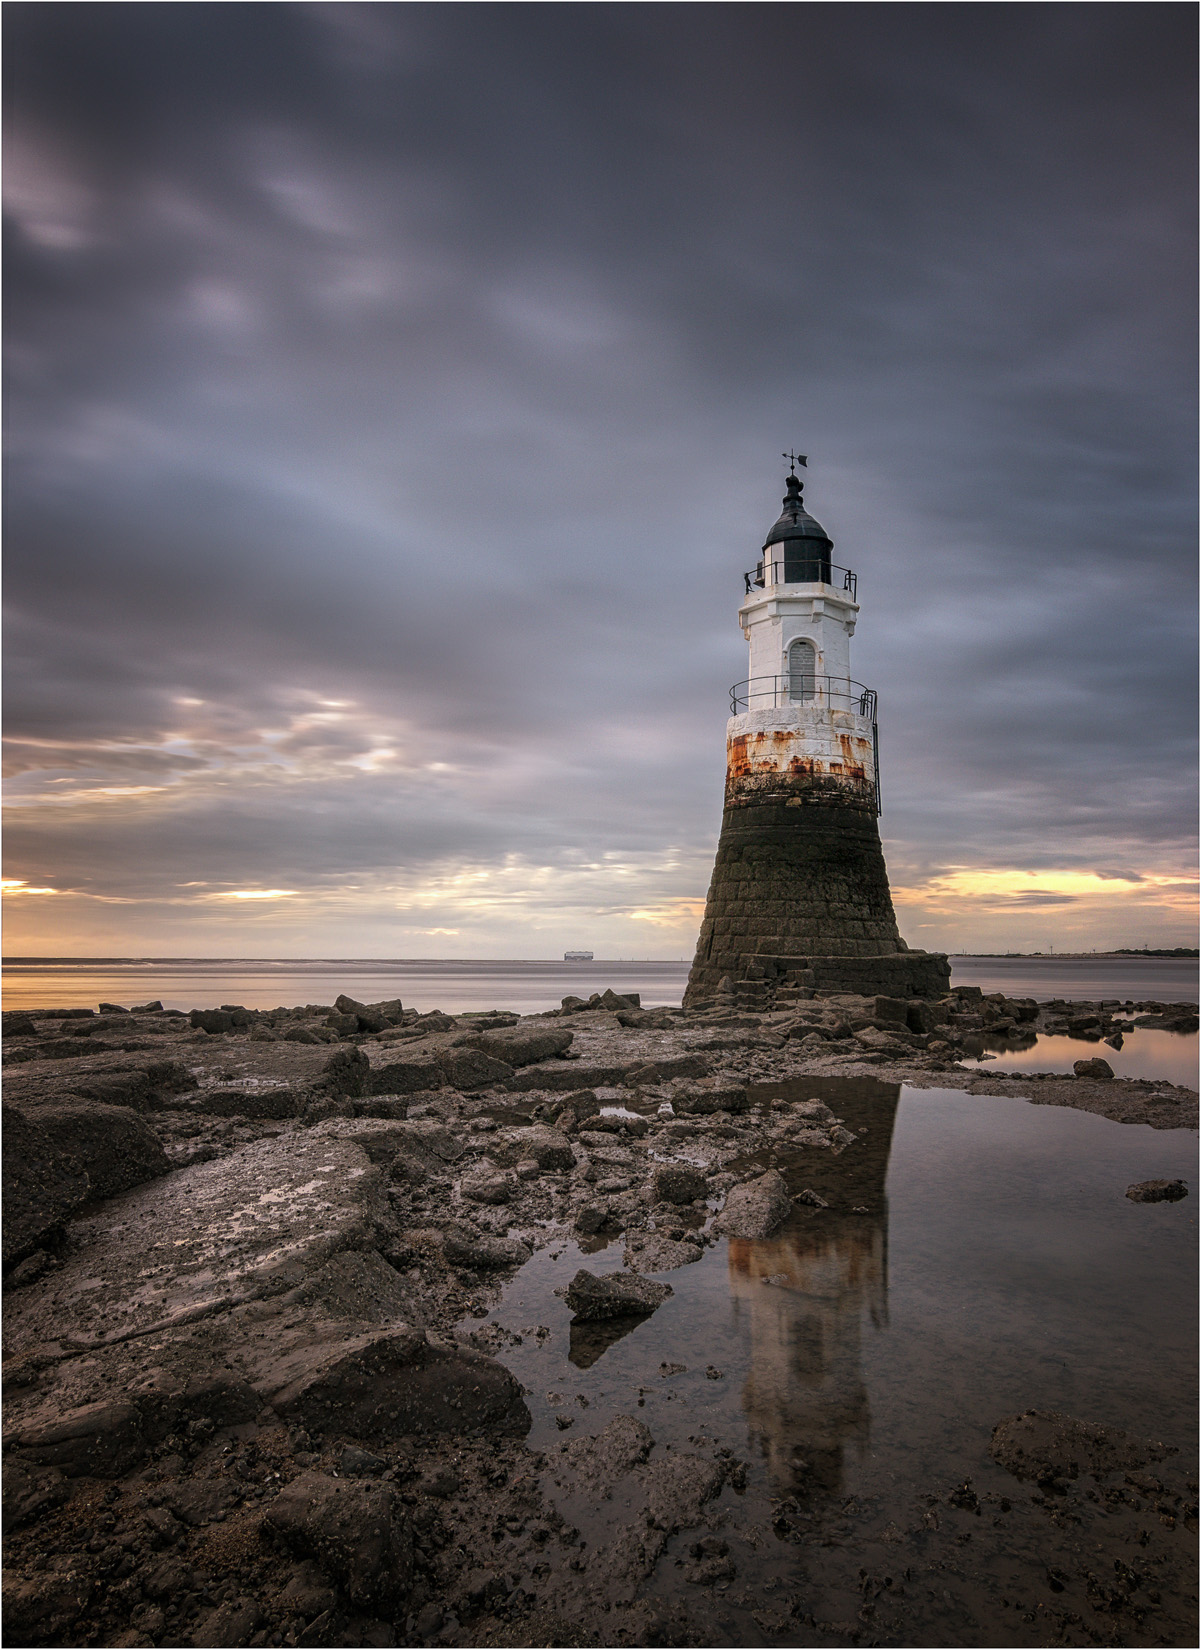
250, 1399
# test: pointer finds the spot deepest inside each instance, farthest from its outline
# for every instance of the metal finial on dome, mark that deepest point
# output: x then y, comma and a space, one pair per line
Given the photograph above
794, 459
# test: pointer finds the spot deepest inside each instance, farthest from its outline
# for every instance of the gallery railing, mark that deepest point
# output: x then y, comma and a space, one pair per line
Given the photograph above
801, 569
803, 688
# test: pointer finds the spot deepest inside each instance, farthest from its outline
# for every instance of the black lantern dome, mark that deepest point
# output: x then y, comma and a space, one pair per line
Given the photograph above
804, 543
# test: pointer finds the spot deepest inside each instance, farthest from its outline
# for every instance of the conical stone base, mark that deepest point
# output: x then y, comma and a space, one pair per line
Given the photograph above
800, 896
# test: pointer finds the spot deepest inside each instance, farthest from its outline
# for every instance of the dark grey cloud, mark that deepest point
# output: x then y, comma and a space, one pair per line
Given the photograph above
434, 360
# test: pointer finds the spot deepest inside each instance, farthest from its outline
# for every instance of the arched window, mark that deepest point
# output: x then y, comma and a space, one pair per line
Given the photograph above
801, 671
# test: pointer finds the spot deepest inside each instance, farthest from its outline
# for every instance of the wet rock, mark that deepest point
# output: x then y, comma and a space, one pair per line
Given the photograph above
468, 1069
548, 1148
812, 1198
673, 1183
592, 1218
19, 1025
57, 1156
358, 1532
1046, 1446
613, 1295
467, 1246
1092, 1068
657, 1253
701, 1102
384, 1383
757, 1208
487, 1186
599, 1461
1157, 1191
249, 1224
520, 1045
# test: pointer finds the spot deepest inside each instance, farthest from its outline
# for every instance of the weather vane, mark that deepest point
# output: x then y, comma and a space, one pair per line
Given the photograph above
794, 459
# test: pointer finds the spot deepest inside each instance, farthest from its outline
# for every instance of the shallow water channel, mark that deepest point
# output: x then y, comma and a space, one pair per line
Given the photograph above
978, 1258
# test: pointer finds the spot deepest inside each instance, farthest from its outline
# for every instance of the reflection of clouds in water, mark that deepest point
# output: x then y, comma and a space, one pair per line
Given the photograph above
807, 1291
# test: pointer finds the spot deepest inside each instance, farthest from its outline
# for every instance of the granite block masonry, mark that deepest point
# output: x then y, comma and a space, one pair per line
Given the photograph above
799, 900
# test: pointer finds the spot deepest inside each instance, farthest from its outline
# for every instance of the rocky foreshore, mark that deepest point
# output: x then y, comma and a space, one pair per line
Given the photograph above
246, 1254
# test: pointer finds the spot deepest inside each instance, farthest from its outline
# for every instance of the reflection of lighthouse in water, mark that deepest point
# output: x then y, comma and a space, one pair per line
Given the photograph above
807, 1292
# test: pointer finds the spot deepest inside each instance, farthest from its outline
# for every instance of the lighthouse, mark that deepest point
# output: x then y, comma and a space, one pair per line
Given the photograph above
799, 900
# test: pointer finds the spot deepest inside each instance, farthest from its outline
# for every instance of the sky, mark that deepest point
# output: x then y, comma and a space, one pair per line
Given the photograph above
396, 396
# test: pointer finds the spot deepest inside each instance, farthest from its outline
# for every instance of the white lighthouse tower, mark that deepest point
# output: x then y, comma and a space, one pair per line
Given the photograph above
799, 892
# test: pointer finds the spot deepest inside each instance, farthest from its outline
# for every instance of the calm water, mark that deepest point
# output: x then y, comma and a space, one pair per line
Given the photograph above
1161, 1056
865, 1358
189, 982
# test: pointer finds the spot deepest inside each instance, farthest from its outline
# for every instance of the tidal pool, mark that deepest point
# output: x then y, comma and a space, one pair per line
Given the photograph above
1158, 1056
979, 1258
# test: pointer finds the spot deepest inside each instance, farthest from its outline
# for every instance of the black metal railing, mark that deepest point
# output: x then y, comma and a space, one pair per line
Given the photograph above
802, 570
803, 688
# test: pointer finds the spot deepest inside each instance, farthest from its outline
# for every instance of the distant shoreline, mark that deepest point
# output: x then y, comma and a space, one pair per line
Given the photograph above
1166, 954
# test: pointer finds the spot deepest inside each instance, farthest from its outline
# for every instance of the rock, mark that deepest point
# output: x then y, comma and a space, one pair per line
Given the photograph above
467, 1069
213, 1020
359, 1463
487, 1186
757, 1208
701, 1102
673, 1183
229, 1624
893, 1010
614, 1000
367, 1019
98, 1440
467, 1246
1045, 1445
614, 1295
19, 1025
1157, 1191
812, 1198
300, 1034
250, 1224
1092, 1068
548, 1148
520, 1045
29, 1270
257, 1103
42, 1607
347, 1071
386, 1383
30, 1489
598, 1462
661, 1254
591, 1218
408, 1076
359, 1532
57, 1156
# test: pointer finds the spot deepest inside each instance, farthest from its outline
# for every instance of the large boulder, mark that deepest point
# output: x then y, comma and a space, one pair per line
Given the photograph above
703, 1102
407, 1076
59, 1156
677, 1183
755, 1209
388, 1382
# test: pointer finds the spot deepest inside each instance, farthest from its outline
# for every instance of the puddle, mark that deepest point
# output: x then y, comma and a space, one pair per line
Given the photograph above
978, 1258
1159, 1056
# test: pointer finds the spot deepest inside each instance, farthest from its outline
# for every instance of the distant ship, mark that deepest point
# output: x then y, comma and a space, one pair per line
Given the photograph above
577, 956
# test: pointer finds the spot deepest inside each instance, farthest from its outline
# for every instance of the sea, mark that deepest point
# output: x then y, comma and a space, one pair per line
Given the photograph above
527, 987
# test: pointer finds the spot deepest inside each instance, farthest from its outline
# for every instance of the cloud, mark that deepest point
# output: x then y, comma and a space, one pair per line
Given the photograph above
395, 400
